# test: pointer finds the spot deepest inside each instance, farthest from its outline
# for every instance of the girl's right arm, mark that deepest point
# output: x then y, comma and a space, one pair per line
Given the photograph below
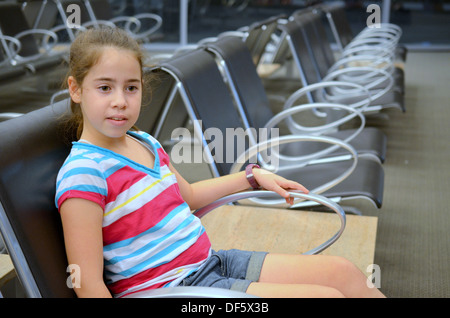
82, 224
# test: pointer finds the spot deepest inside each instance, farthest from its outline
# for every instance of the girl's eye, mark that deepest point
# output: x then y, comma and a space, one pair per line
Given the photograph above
104, 88
132, 88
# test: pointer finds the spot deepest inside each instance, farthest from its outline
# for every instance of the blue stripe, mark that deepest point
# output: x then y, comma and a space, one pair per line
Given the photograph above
110, 171
80, 171
151, 244
139, 267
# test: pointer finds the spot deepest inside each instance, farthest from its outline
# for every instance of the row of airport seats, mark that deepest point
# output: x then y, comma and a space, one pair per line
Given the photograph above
319, 136
24, 52
35, 36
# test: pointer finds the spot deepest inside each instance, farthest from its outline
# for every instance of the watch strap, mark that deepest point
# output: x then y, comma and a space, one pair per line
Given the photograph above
250, 176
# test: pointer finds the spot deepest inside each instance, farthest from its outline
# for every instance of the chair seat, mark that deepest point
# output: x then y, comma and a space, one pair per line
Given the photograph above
366, 180
11, 73
392, 98
370, 141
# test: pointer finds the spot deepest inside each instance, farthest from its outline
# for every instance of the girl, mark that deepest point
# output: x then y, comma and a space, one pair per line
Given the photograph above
126, 212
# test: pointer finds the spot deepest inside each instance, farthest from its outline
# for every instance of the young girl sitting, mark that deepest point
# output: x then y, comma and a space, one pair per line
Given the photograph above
126, 212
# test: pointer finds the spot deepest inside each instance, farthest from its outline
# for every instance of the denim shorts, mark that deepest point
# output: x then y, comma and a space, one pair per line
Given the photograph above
230, 269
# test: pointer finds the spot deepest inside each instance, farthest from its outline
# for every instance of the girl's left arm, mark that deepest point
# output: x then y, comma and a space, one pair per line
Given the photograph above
201, 193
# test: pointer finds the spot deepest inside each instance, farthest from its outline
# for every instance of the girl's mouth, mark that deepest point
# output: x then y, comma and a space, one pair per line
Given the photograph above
117, 120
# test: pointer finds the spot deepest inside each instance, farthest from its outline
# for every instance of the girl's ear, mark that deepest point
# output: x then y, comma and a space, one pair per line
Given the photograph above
74, 90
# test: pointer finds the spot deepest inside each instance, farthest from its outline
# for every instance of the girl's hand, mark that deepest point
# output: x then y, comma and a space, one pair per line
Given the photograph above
278, 184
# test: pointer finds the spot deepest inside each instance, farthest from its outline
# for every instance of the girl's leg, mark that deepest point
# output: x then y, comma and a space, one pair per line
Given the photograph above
274, 290
313, 274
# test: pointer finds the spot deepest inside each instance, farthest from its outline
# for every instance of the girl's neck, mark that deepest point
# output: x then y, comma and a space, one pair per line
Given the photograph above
105, 142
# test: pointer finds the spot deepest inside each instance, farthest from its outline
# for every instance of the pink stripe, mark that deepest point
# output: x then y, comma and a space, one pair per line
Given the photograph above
91, 196
122, 180
143, 218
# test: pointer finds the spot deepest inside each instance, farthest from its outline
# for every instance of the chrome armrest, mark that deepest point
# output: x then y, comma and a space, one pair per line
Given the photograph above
296, 162
368, 55
380, 76
4, 116
367, 50
206, 40
10, 49
136, 20
131, 24
98, 23
298, 195
356, 90
296, 128
390, 45
388, 30
240, 34
59, 95
45, 47
374, 61
378, 34
376, 73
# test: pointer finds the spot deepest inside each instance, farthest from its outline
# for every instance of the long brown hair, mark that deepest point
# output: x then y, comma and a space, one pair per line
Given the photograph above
85, 52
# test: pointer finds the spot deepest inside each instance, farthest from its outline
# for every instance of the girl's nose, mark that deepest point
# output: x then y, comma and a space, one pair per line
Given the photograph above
119, 100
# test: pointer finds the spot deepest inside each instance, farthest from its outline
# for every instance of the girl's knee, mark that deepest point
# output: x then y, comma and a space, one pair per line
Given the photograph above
293, 291
325, 292
344, 266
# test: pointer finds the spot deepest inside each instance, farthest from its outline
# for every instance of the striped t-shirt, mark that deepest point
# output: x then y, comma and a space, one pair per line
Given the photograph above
150, 237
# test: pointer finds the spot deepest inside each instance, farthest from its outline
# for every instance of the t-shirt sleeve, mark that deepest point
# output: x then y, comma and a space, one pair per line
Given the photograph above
82, 179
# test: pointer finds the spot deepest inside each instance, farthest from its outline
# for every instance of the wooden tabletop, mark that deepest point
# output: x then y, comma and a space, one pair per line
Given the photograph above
289, 231
7, 271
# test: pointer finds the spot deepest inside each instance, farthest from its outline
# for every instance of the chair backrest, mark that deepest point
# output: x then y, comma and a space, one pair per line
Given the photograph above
102, 9
301, 53
153, 103
244, 79
337, 18
12, 22
314, 39
207, 98
33, 148
40, 14
260, 34
280, 51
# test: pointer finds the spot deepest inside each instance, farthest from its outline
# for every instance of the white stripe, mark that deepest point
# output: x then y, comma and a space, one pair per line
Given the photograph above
88, 163
80, 180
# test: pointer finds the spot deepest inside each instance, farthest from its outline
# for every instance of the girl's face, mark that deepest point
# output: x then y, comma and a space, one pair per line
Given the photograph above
110, 96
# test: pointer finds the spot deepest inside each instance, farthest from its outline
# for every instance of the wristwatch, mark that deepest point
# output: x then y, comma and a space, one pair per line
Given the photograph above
250, 177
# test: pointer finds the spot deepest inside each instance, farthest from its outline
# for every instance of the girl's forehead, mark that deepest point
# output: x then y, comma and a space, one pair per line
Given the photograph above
117, 61
109, 53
